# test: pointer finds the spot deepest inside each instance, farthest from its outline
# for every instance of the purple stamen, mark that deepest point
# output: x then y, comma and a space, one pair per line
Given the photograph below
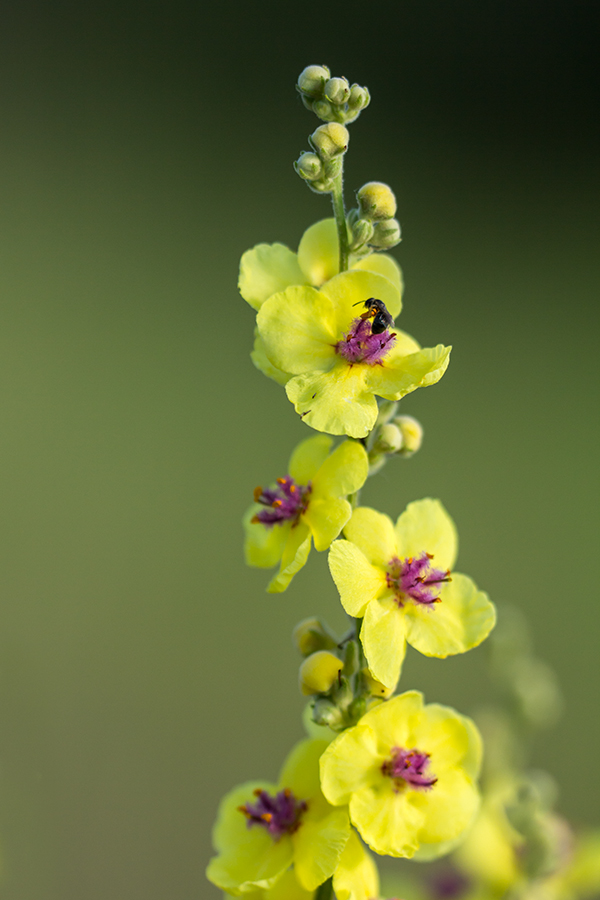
287, 501
414, 578
280, 814
361, 345
406, 767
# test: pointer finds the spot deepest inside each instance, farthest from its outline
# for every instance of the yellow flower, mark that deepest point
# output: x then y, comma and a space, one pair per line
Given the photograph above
356, 876
268, 269
262, 829
399, 579
287, 888
308, 504
408, 772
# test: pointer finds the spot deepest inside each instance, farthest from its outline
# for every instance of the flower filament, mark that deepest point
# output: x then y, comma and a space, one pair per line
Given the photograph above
407, 767
287, 501
415, 578
279, 815
361, 345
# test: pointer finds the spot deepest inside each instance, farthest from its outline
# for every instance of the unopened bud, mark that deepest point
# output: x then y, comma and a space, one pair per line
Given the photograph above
330, 140
386, 234
323, 109
389, 439
312, 80
309, 166
319, 672
376, 201
362, 232
337, 90
412, 434
326, 713
376, 688
311, 635
359, 97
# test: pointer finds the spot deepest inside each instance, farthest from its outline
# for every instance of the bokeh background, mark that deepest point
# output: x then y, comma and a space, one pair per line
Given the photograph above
144, 147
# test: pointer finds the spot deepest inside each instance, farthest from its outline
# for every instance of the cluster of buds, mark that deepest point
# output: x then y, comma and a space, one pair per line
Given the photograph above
331, 99
372, 224
320, 168
393, 436
330, 673
546, 837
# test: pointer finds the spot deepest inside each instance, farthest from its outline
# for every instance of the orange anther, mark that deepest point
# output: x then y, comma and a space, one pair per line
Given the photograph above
257, 494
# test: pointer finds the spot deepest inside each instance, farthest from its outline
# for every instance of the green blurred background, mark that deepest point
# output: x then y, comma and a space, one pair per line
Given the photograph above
143, 670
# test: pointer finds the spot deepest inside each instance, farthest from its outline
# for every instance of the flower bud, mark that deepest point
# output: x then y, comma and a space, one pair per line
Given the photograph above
376, 201
389, 439
323, 109
319, 672
312, 80
376, 688
362, 232
311, 635
326, 713
412, 434
386, 234
309, 166
337, 90
330, 140
359, 97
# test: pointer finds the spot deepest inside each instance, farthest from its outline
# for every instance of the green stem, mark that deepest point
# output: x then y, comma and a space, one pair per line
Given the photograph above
325, 890
337, 199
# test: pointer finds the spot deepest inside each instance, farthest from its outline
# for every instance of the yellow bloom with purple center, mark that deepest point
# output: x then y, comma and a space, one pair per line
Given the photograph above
262, 829
400, 580
305, 505
408, 772
268, 269
338, 358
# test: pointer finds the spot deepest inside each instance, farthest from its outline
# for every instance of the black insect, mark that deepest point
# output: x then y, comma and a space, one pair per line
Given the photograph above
377, 310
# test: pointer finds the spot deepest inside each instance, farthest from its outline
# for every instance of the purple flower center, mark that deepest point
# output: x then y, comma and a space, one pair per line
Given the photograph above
407, 767
361, 345
287, 501
414, 578
280, 814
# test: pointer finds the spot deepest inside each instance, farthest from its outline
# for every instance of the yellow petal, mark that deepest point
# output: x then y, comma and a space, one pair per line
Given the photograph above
394, 722
356, 876
373, 532
426, 527
348, 292
295, 554
383, 639
388, 822
449, 807
336, 401
460, 621
449, 738
356, 579
308, 457
326, 517
318, 253
264, 364
267, 269
400, 375
300, 771
287, 888
263, 545
384, 265
342, 473
350, 763
299, 330
319, 843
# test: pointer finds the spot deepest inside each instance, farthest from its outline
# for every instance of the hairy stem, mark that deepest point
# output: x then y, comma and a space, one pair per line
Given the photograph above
337, 199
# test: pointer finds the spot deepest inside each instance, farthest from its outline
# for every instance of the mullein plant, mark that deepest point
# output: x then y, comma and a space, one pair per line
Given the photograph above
379, 769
